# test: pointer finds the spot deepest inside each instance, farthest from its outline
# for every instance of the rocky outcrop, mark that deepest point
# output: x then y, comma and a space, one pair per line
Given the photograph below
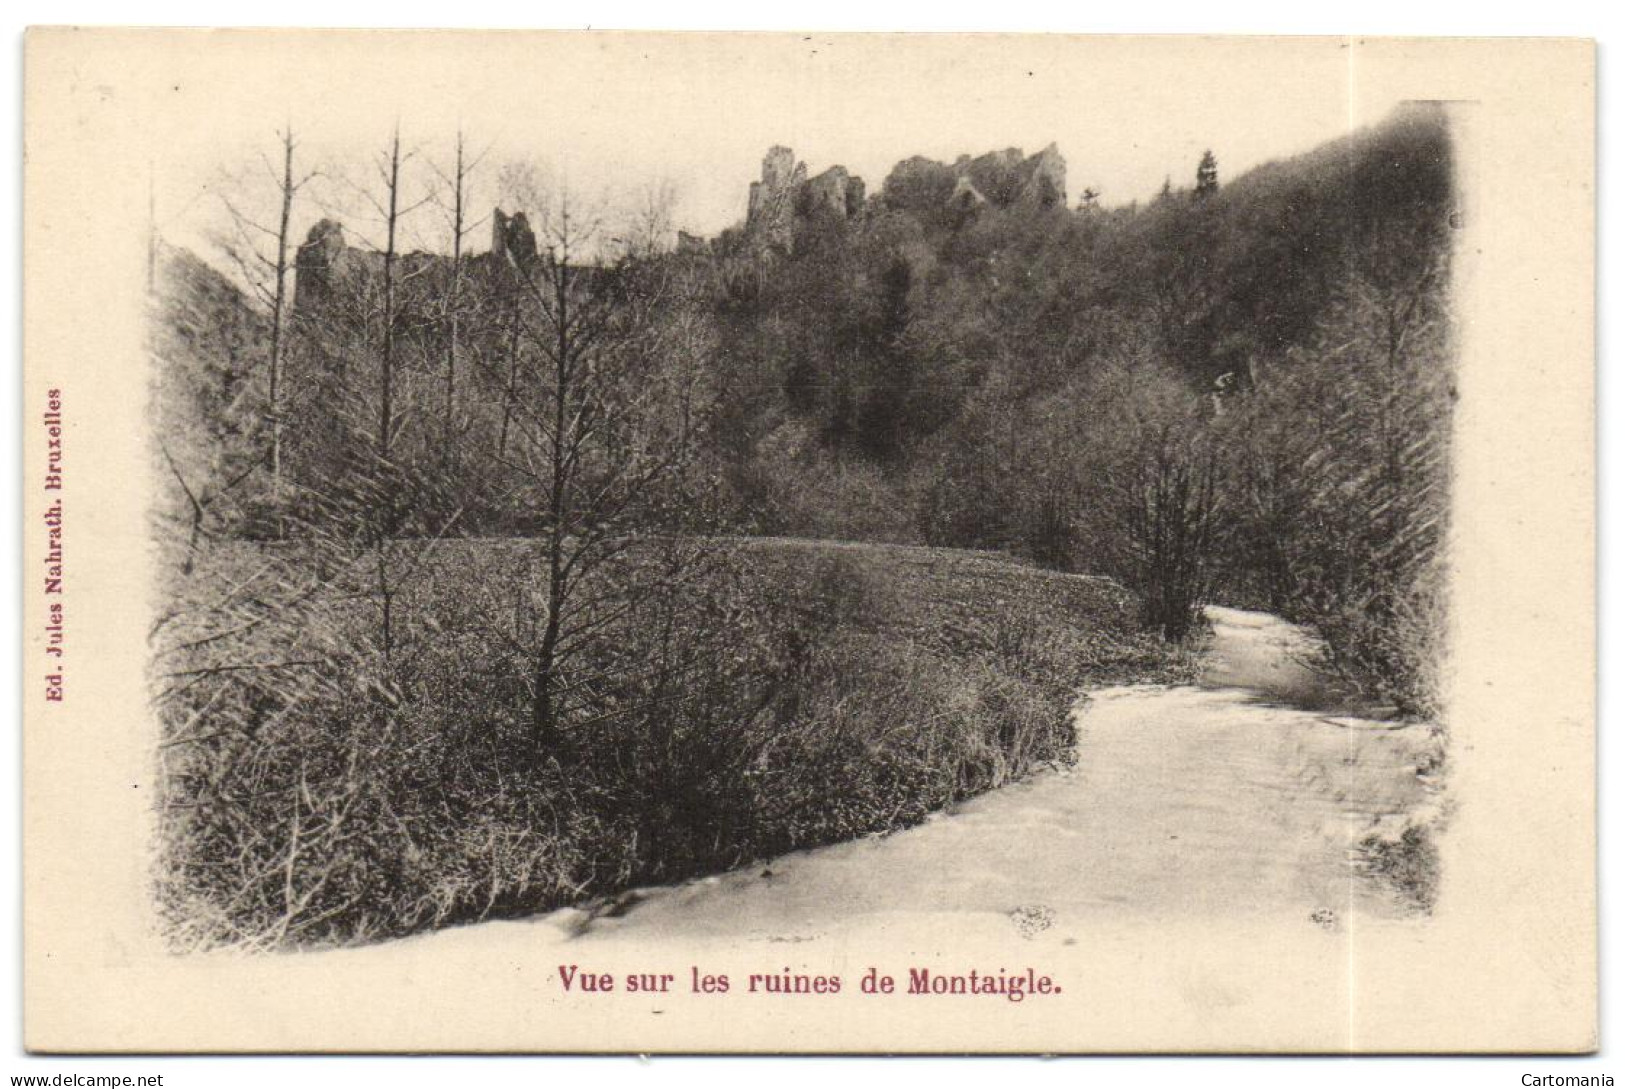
966, 197
785, 195
320, 265
328, 269
999, 178
1046, 179
770, 219
834, 192
921, 185
1010, 177
512, 239
856, 193
996, 175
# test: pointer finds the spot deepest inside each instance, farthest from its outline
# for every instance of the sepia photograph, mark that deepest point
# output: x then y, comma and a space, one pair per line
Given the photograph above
775, 542
529, 552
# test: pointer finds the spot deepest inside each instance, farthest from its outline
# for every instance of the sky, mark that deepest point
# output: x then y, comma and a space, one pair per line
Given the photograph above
609, 114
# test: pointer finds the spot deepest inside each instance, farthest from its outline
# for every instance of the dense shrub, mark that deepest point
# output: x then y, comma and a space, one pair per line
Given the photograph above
1342, 461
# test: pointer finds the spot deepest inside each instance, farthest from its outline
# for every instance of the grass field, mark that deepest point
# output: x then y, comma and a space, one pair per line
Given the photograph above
1060, 632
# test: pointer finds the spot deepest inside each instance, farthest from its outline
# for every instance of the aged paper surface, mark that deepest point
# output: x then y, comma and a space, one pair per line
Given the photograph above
123, 129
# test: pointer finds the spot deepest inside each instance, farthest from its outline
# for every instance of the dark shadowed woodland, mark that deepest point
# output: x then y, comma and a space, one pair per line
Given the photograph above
518, 549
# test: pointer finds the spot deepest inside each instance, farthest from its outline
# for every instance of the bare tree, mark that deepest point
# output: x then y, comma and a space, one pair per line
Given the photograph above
1170, 512
1147, 458
651, 224
524, 189
364, 487
597, 445
260, 253
457, 181
376, 307
386, 353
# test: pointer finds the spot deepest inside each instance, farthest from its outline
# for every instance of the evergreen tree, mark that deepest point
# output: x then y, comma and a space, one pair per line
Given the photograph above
1207, 176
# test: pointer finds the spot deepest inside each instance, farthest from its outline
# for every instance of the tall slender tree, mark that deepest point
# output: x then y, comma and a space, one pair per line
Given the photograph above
456, 181
261, 252
599, 440
386, 352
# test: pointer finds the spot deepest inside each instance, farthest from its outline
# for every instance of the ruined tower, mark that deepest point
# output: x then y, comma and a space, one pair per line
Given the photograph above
785, 194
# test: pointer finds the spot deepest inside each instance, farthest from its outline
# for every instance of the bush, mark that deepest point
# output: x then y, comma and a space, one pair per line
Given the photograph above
1343, 453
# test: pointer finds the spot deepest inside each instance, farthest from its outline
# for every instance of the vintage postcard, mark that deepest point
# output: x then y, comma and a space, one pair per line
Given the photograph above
594, 542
